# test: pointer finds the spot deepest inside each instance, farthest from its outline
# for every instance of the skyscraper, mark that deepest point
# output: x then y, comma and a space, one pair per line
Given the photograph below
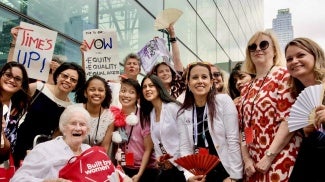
282, 26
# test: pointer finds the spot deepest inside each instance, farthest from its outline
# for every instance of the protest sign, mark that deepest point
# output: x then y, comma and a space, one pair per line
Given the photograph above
152, 52
101, 57
34, 49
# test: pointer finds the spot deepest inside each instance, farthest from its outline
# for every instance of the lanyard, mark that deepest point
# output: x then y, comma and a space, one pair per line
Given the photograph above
195, 123
253, 103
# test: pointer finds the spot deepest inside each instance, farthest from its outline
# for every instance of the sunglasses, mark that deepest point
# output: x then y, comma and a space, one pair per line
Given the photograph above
263, 45
216, 74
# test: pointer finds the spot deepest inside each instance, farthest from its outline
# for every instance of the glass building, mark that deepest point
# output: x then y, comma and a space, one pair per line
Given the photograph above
209, 30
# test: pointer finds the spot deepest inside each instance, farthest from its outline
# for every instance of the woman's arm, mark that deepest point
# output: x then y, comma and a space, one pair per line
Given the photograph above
148, 147
175, 50
231, 127
107, 140
14, 33
281, 139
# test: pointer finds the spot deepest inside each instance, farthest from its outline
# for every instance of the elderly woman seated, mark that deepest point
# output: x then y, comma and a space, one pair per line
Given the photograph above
44, 162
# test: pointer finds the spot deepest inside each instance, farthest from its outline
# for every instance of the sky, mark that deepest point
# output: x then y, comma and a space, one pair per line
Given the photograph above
308, 17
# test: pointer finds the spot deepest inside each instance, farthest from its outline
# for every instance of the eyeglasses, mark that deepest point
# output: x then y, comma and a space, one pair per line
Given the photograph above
66, 76
9, 76
216, 74
263, 45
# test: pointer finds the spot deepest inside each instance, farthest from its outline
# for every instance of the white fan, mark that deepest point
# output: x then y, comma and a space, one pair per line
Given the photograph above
302, 112
167, 17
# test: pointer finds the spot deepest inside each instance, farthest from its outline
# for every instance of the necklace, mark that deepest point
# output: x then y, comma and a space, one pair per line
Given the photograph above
253, 102
95, 138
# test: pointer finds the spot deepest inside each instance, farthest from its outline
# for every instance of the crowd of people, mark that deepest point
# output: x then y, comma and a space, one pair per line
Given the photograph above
173, 112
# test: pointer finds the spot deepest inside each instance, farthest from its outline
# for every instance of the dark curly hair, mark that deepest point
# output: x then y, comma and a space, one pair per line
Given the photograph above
80, 97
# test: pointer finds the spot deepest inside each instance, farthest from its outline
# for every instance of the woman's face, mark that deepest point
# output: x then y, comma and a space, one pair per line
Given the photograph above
149, 90
132, 68
75, 130
300, 63
260, 56
127, 95
95, 92
199, 81
11, 80
67, 80
217, 78
241, 80
164, 73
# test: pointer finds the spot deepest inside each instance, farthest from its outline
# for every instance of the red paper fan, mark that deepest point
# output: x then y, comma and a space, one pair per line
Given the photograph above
198, 164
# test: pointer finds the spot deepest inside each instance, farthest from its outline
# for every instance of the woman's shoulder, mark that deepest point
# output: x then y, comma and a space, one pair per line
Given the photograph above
172, 105
222, 97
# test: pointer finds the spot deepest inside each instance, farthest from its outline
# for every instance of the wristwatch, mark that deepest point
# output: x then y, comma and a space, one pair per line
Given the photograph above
269, 154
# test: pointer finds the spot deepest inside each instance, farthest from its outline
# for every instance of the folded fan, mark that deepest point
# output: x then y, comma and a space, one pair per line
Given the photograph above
302, 112
198, 164
167, 17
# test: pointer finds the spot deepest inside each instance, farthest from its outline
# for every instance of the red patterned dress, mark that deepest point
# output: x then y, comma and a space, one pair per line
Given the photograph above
264, 103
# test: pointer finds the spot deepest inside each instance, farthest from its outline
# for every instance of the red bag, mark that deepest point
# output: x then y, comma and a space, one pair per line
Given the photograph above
92, 165
8, 173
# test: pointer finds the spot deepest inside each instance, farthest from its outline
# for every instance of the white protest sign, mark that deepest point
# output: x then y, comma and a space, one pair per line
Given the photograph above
34, 49
151, 53
101, 57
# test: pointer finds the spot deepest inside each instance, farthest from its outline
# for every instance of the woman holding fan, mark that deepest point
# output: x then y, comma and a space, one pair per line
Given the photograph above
208, 123
306, 65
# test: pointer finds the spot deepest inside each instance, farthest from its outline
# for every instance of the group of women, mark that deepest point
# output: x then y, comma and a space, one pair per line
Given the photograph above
248, 131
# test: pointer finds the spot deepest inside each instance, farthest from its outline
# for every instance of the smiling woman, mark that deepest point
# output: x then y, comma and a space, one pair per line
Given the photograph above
96, 97
13, 96
49, 101
46, 159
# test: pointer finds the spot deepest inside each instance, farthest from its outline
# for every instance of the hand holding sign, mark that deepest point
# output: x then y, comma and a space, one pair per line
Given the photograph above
167, 17
34, 49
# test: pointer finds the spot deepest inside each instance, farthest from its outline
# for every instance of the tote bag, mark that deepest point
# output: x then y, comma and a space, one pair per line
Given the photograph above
92, 165
7, 171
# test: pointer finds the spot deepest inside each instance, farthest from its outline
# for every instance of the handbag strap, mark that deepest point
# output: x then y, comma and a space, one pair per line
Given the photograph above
33, 100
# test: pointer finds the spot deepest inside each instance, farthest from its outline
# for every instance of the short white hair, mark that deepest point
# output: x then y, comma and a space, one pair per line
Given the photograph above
68, 113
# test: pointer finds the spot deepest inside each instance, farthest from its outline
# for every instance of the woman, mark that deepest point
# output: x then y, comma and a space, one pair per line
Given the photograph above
171, 78
159, 110
96, 97
218, 79
237, 80
306, 65
206, 121
45, 161
138, 148
14, 97
268, 149
49, 101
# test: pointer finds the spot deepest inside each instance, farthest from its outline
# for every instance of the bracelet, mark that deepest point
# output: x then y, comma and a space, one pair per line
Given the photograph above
12, 44
172, 39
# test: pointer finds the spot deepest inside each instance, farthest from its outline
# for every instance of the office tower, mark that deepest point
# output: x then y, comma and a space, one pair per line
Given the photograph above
282, 26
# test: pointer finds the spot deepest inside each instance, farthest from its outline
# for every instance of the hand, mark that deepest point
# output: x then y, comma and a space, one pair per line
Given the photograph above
136, 178
249, 167
54, 65
171, 30
83, 47
198, 178
319, 116
264, 164
14, 33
